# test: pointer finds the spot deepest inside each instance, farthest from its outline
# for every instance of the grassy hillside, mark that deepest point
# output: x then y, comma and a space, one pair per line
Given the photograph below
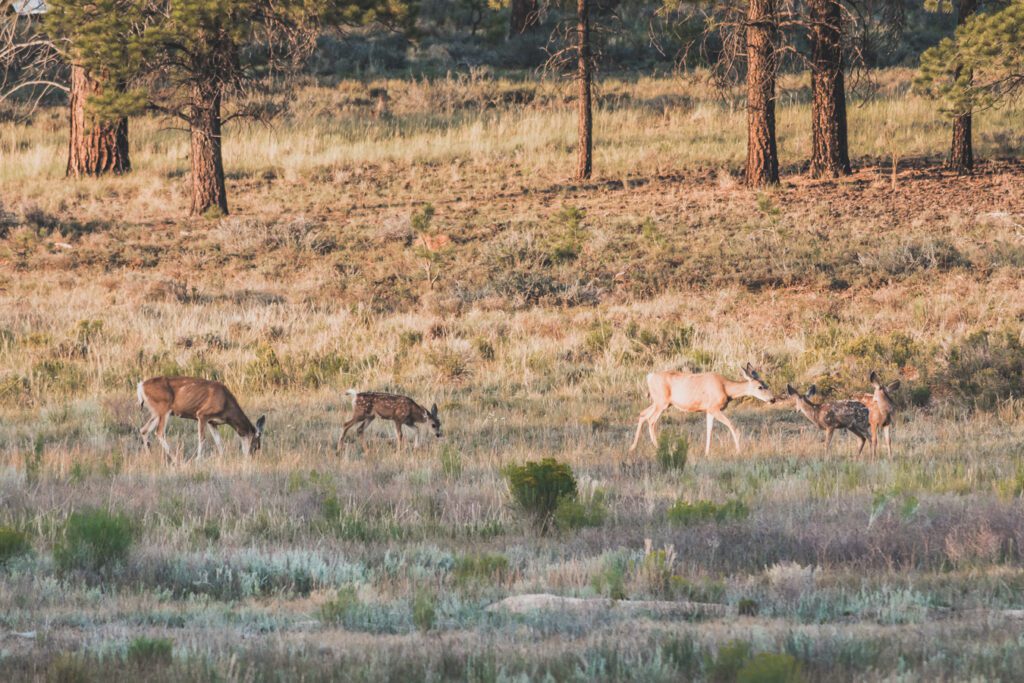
532, 326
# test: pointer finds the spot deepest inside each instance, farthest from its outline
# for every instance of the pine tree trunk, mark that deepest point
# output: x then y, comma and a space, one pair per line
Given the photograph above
94, 147
762, 153
830, 156
208, 189
523, 17
961, 153
585, 141
961, 157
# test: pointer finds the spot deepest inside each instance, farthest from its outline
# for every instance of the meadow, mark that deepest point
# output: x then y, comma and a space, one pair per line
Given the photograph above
532, 328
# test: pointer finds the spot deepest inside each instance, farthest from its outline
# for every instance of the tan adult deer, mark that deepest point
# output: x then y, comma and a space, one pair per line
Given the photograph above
207, 402
829, 416
880, 411
706, 392
402, 410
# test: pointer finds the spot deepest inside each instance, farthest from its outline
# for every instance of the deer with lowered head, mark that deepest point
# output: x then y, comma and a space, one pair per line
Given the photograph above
832, 415
705, 392
880, 410
207, 402
402, 410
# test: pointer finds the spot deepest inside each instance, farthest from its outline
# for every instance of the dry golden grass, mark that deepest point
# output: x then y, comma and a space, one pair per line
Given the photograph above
532, 328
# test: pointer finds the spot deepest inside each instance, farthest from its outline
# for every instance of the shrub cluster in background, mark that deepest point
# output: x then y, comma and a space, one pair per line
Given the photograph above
93, 540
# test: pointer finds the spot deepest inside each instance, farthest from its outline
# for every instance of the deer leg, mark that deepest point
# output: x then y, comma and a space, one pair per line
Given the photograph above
361, 432
653, 420
147, 429
707, 441
874, 441
863, 440
643, 418
888, 441
216, 439
161, 429
398, 433
828, 438
345, 427
202, 436
720, 416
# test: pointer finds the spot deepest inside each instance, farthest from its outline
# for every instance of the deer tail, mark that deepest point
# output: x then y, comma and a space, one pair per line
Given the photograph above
353, 393
141, 394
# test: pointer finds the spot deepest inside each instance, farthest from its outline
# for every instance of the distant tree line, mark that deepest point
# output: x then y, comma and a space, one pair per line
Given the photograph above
206, 62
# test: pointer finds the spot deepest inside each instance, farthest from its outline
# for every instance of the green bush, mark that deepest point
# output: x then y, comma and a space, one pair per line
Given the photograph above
685, 514
13, 543
482, 568
731, 658
770, 667
150, 651
987, 368
342, 606
571, 513
424, 610
537, 487
611, 580
920, 396
672, 453
93, 540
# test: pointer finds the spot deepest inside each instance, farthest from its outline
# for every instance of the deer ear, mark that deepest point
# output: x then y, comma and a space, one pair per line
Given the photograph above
433, 410
874, 378
790, 390
259, 424
812, 391
894, 386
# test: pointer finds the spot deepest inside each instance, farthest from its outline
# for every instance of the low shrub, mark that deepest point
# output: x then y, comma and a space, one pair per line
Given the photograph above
727, 664
987, 368
344, 603
537, 488
481, 568
13, 543
685, 514
769, 667
572, 513
93, 540
150, 651
424, 610
672, 453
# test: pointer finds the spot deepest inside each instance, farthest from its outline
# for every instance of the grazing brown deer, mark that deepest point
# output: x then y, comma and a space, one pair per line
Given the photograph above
880, 410
705, 392
401, 410
209, 403
849, 415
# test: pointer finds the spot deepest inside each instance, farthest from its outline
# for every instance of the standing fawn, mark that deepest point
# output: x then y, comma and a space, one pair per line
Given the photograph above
849, 415
209, 403
705, 392
880, 409
401, 410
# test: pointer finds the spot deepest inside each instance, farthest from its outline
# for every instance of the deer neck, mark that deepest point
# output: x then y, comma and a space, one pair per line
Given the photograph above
811, 411
240, 423
737, 389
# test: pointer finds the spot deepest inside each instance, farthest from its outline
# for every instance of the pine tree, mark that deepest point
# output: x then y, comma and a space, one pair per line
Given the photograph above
981, 66
192, 59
